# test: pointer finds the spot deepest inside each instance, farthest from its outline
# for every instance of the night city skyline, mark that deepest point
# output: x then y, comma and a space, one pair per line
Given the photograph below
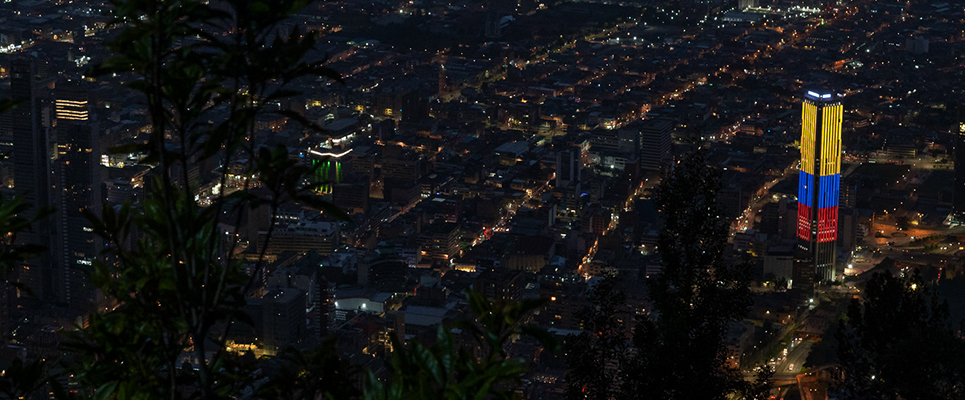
401, 199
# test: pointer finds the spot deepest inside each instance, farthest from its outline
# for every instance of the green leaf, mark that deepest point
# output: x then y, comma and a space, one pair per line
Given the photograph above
105, 391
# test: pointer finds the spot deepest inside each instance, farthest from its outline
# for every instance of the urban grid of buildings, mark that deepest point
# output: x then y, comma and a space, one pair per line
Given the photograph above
512, 147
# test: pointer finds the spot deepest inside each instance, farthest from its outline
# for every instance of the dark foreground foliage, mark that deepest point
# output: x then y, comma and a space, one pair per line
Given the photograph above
173, 284
677, 349
898, 343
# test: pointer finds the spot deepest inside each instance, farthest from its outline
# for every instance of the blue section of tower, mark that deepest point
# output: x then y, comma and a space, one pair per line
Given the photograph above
828, 188
805, 190
828, 193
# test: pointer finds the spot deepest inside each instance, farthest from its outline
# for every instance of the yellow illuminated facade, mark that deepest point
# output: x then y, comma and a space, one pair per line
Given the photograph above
807, 137
71, 109
831, 140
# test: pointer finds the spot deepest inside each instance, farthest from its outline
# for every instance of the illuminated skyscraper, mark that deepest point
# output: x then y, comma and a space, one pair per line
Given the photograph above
820, 177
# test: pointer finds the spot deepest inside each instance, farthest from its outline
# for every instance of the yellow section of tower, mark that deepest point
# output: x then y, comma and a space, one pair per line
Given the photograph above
831, 139
808, 123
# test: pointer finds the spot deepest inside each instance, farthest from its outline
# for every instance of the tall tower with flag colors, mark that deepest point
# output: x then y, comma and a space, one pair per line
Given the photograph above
820, 180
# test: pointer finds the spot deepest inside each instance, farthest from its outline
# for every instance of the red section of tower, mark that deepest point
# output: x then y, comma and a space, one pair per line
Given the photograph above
803, 221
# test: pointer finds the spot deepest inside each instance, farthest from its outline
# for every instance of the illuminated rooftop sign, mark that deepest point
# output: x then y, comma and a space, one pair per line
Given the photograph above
820, 95
336, 155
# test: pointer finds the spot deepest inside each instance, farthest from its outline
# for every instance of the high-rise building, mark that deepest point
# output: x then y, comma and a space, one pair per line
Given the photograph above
819, 181
325, 308
31, 161
958, 201
568, 167
283, 317
353, 197
847, 216
655, 141
500, 284
78, 177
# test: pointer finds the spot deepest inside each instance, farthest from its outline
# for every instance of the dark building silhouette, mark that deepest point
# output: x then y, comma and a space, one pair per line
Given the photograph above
324, 308
500, 285
384, 271
352, 197
405, 103
283, 316
568, 167
655, 140
771, 219
958, 202
32, 170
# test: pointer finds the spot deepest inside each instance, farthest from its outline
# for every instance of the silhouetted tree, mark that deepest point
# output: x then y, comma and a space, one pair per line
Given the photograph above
448, 371
897, 343
170, 273
593, 356
680, 346
760, 388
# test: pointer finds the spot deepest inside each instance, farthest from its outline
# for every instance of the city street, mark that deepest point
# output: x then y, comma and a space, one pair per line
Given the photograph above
794, 361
